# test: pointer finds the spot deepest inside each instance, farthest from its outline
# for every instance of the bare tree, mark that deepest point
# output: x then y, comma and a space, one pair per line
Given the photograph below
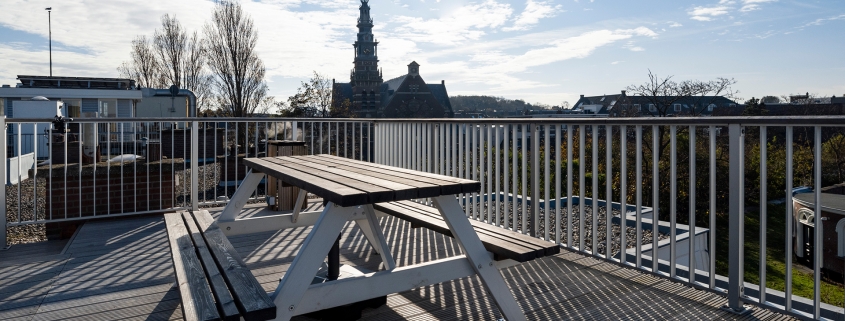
238, 73
143, 66
196, 77
312, 99
664, 93
170, 43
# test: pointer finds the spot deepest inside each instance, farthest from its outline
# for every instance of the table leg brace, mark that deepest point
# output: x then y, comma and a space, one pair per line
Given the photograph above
311, 254
465, 235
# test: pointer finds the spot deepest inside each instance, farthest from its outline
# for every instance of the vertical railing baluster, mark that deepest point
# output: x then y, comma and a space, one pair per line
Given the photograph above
546, 182
608, 199
569, 131
524, 178
639, 200
557, 184
506, 173
692, 184
535, 180
3, 159
788, 219
712, 212
673, 193
623, 194
582, 140
498, 173
195, 157
595, 189
818, 229
655, 195
763, 214
486, 173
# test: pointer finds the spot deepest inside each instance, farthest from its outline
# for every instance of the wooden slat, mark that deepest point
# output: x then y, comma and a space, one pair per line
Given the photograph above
467, 186
424, 189
491, 243
402, 191
251, 299
197, 301
445, 187
518, 238
225, 302
375, 193
333, 192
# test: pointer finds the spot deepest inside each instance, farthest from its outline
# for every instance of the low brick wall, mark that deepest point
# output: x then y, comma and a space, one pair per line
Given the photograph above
102, 189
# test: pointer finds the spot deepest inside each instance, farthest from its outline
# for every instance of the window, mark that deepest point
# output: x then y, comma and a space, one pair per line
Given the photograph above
72, 107
651, 108
710, 107
677, 108
733, 105
108, 108
637, 107
2, 106
602, 99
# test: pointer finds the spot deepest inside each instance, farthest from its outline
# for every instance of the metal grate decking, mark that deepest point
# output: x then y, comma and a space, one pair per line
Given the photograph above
122, 270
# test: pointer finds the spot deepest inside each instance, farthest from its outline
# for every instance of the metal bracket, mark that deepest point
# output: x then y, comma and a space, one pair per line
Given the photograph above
746, 309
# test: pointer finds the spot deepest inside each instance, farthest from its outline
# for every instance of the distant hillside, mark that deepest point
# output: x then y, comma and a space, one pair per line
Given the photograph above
490, 103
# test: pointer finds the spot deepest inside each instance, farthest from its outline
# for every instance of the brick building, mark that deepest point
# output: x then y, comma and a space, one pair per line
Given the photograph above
406, 96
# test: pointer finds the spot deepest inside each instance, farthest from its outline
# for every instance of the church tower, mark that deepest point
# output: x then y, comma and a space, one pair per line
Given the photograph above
366, 77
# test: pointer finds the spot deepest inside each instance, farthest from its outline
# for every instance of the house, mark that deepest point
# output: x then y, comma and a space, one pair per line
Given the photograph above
623, 105
369, 96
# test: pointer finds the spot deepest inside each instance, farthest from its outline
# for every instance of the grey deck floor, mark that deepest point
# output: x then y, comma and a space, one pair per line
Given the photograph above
122, 270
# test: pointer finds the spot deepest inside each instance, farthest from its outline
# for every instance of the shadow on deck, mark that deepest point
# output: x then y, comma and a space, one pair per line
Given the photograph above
122, 270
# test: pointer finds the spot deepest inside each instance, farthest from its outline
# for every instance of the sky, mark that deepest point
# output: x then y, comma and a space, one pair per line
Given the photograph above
539, 51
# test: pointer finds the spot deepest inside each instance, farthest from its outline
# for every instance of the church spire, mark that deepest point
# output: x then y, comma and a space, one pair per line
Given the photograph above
365, 22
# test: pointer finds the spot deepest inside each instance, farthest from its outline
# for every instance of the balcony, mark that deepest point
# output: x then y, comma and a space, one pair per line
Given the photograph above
696, 240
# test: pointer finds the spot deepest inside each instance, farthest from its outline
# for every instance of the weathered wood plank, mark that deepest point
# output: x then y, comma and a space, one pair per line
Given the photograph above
424, 189
374, 192
251, 299
492, 244
429, 187
328, 190
400, 191
467, 186
198, 303
548, 248
225, 302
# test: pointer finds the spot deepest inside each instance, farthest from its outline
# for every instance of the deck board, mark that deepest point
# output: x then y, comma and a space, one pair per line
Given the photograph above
121, 269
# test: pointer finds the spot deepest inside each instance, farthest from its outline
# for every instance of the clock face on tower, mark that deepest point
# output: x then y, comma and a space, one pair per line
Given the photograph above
367, 51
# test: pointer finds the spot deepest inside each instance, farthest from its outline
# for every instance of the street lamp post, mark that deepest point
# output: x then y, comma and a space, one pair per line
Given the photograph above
50, 35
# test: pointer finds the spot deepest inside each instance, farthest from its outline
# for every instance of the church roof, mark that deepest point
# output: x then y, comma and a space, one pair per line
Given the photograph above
344, 90
439, 92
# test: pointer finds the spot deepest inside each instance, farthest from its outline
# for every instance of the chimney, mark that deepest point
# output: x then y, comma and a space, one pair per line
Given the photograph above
623, 93
582, 96
443, 82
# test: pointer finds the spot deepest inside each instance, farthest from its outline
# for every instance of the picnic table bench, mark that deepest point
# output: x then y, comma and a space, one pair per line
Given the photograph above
352, 190
213, 280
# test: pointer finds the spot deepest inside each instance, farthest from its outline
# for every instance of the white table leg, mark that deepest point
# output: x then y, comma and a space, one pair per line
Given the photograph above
378, 241
463, 232
290, 290
300, 198
236, 204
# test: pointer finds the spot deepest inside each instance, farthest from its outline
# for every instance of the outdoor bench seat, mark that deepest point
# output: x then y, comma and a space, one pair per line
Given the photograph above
213, 280
504, 244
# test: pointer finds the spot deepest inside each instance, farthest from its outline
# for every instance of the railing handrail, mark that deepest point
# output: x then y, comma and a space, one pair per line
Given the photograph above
682, 121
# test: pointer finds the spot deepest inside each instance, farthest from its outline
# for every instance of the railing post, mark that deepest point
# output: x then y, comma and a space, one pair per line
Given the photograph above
3, 138
195, 155
535, 180
736, 220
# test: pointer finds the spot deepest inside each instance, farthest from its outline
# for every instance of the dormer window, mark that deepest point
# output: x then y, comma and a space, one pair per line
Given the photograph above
677, 108
637, 107
651, 108
710, 107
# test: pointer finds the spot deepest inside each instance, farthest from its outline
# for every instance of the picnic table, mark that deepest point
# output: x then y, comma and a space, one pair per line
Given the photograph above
351, 188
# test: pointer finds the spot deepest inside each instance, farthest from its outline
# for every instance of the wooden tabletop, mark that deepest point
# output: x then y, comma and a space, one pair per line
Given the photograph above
348, 182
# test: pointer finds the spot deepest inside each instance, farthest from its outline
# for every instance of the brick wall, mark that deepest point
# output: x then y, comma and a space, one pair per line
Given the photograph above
98, 190
176, 143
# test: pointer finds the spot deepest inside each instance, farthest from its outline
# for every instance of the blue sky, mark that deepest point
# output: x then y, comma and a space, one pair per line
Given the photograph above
539, 51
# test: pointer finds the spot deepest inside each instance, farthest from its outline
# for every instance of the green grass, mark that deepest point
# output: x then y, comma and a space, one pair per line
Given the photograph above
802, 277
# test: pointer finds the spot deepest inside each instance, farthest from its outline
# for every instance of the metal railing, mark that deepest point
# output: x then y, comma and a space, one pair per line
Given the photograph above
680, 185
663, 195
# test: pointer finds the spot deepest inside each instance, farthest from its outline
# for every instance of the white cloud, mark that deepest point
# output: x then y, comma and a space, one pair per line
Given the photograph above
534, 11
707, 13
673, 24
752, 5
616, 62
819, 22
464, 23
